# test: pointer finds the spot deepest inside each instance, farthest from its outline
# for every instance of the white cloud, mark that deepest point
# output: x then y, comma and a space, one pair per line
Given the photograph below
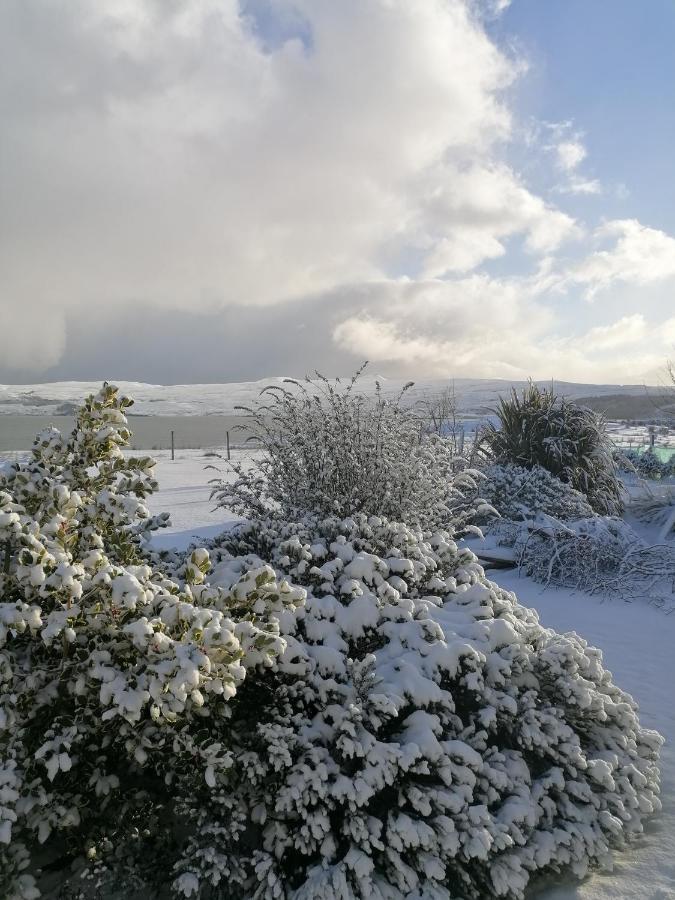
667, 332
566, 145
164, 158
473, 324
626, 331
469, 211
161, 153
577, 185
166, 155
494, 328
570, 154
639, 256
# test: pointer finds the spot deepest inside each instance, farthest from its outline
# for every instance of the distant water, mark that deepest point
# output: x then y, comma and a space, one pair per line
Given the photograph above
148, 432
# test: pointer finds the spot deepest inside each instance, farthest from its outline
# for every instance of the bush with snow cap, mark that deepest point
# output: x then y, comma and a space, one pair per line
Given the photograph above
114, 679
600, 555
423, 736
519, 494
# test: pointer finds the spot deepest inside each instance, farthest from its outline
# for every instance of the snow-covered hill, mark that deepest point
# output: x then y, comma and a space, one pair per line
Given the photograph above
474, 395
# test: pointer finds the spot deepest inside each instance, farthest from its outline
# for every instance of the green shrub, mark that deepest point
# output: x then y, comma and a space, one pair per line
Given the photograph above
115, 680
538, 428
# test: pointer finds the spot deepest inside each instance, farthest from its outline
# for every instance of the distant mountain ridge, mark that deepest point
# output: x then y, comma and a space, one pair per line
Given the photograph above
475, 396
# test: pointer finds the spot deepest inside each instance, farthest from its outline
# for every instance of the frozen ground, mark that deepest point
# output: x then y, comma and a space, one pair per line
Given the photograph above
637, 640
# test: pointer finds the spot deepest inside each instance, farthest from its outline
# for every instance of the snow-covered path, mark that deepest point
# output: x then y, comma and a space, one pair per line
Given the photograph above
637, 640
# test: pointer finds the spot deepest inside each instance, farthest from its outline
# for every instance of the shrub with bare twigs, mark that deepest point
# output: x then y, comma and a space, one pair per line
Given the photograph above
330, 450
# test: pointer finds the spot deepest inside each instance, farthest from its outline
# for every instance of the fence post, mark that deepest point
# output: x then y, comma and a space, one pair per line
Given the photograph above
227, 440
172, 451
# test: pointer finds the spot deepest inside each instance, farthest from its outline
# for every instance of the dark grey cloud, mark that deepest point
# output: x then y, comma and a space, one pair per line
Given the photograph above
236, 344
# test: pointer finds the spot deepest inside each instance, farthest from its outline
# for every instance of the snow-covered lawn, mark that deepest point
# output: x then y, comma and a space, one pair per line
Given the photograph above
185, 493
637, 640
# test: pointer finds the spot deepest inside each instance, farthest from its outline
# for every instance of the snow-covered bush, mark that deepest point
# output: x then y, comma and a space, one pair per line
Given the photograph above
114, 679
422, 737
646, 465
329, 450
570, 441
518, 493
598, 555
656, 507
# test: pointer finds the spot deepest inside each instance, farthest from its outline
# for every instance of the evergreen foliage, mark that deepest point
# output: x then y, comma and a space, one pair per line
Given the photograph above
537, 428
114, 679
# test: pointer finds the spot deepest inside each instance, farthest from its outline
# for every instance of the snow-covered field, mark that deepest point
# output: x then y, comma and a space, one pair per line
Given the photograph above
637, 640
185, 492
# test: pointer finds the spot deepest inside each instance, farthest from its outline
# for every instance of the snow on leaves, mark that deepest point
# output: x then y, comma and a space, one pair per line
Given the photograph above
107, 666
441, 743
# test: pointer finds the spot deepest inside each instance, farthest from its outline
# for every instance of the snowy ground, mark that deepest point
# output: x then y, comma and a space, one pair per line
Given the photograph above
185, 491
637, 640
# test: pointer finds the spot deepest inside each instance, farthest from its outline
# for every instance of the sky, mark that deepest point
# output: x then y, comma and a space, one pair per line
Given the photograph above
220, 190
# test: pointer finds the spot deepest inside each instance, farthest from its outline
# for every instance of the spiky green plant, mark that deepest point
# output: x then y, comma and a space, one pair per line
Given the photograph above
539, 428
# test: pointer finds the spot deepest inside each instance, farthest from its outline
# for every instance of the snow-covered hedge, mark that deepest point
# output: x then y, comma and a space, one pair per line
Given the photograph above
518, 493
423, 736
646, 465
114, 679
330, 450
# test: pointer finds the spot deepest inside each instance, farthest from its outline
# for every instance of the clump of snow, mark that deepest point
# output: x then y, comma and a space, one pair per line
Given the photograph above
519, 494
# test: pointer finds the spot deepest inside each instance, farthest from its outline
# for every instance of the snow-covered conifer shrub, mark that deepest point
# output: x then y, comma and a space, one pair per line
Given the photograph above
570, 441
329, 450
518, 494
423, 736
114, 679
